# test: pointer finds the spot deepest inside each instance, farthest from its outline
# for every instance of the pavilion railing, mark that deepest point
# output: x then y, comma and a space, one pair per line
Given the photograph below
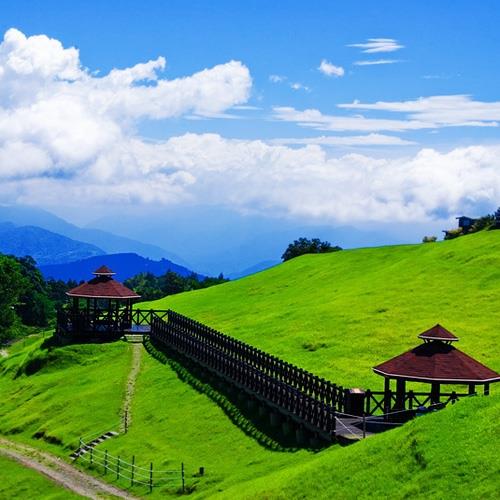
104, 320
383, 403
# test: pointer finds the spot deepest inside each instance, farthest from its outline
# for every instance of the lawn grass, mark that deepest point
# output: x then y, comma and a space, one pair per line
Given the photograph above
21, 482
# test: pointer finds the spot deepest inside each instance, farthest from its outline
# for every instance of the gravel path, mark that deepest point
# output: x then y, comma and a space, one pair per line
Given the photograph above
131, 379
61, 472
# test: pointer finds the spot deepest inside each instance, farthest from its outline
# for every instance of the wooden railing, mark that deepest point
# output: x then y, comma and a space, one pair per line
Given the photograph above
380, 402
104, 320
295, 393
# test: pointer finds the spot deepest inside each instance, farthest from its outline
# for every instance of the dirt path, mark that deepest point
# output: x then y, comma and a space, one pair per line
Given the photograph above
129, 390
61, 472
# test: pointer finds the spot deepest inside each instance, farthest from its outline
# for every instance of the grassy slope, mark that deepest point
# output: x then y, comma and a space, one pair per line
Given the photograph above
451, 454
54, 396
340, 314
172, 423
20, 482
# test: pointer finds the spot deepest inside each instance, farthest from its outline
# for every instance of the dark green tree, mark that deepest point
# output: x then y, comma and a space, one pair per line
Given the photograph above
12, 286
304, 245
35, 307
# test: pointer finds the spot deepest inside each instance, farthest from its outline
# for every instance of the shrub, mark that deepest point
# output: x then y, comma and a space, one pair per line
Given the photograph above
429, 239
453, 233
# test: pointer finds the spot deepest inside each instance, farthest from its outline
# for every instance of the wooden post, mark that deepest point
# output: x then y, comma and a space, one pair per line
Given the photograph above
400, 394
435, 392
182, 474
472, 389
132, 473
105, 461
387, 395
486, 389
118, 468
364, 426
151, 477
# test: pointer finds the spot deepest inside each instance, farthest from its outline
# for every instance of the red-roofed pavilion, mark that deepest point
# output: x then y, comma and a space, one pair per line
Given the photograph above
102, 305
436, 362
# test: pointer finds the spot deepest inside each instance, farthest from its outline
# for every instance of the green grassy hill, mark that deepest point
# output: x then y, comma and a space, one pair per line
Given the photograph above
336, 315
339, 314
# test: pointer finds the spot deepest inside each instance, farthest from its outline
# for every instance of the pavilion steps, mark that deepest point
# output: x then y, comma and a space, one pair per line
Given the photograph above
92, 444
134, 338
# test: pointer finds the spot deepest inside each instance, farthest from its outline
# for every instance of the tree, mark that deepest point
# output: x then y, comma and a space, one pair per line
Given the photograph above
304, 245
12, 286
35, 307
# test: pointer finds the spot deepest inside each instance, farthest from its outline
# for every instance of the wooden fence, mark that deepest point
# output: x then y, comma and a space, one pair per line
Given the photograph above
309, 400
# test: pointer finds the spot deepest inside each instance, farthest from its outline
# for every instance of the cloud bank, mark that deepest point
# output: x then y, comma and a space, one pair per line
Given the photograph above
70, 137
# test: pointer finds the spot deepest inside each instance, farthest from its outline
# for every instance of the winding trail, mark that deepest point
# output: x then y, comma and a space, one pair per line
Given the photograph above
61, 472
126, 412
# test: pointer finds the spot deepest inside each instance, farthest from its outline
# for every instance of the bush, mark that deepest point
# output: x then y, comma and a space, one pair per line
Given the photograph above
303, 246
453, 233
429, 239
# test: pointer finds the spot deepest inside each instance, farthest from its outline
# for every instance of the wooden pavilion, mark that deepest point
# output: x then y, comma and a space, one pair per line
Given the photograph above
100, 306
434, 362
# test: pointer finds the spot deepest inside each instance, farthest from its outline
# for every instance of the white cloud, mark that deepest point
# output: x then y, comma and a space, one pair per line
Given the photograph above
299, 86
313, 118
329, 69
377, 45
450, 110
277, 78
376, 62
424, 113
347, 140
303, 181
58, 119
67, 136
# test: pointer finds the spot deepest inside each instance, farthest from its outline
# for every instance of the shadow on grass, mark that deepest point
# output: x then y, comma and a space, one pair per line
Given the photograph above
241, 410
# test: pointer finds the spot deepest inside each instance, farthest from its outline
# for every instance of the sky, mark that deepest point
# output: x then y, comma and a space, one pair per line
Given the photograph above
329, 112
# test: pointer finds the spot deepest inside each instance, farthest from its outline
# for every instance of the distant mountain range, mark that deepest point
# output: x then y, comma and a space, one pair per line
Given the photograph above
125, 265
104, 240
44, 246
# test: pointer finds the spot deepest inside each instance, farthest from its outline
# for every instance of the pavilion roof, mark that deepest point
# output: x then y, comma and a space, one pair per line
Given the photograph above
103, 271
438, 332
437, 362
103, 286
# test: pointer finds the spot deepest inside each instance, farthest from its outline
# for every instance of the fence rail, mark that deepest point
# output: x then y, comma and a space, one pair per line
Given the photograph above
129, 471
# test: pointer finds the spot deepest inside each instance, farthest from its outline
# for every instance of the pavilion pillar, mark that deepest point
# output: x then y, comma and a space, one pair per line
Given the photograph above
486, 389
400, 394
387, 395
435, 392
472, 389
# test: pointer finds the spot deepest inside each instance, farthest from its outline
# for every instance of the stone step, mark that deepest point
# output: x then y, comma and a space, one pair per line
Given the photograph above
92, 444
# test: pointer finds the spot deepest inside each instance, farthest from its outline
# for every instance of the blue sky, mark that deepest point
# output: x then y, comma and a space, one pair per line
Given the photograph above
308, 144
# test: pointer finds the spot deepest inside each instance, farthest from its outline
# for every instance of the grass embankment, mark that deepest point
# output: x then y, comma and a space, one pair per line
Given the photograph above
21, 482
51, 396
450, 454
339, 314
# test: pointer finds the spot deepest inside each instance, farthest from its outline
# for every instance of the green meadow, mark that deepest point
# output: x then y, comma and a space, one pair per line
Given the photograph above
20, 482
334, 314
